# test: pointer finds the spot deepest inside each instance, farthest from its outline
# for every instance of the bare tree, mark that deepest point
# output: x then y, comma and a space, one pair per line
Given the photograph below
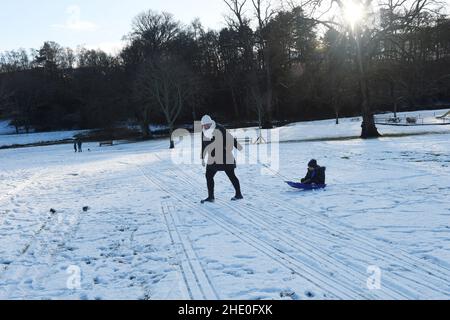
241, 24
368, 34
151, 36
368, 38
167, 84
238, 19
263, 13
154, 30
13, 61
359, 33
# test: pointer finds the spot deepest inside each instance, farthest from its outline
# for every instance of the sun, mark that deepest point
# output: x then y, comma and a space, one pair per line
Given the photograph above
353, 12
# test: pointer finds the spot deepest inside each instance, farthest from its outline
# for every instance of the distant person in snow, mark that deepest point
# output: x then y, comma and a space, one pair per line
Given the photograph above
75, 145
315, 175
218, 145
80, 145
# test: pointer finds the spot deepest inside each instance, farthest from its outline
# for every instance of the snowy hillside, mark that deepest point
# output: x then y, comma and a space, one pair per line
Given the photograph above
348, 127
351, 127
145, 236
32, 138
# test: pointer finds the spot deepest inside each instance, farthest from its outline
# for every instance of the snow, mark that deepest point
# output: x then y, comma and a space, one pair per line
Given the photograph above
309, 130
5, 128
35, 138
351, 127
146, 236
9, 138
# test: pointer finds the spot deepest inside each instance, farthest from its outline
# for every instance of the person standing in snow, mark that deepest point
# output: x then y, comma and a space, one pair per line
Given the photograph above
218, 145
315, 174
75, 145
80, 145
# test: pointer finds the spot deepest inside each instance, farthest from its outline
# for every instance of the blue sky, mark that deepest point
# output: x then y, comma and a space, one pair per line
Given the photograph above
94, 23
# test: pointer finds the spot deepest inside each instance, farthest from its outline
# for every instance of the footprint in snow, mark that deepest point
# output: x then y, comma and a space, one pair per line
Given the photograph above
244, 257
288, 294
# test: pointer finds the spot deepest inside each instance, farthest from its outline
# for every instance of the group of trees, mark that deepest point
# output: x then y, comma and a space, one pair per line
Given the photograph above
56, 88
271, 62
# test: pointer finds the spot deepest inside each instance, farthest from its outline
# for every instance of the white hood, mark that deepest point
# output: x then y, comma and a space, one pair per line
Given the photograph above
209, 133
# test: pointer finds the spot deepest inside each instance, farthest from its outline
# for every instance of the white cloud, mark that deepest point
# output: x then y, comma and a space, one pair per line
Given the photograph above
113, 48
74, 21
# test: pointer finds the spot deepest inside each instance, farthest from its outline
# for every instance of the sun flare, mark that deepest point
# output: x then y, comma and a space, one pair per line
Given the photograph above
353, 12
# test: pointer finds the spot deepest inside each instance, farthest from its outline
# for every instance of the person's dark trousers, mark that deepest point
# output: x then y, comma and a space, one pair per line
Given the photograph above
211, 171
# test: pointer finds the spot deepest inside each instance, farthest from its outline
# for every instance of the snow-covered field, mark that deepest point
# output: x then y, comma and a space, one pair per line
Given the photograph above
351, 127
8, 137
385, 216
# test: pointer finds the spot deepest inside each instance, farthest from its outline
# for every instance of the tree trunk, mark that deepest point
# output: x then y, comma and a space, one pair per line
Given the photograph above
268, 122
392, 90
335, 106
172, 143
369, 129
146, 134
145, 124
235, 105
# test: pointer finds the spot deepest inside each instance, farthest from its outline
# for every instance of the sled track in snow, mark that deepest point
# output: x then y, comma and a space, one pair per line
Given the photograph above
395, 291
371, 248
289, 241
192, 260
268, 249
198, 283
439, 273
363, 237
179, 263
310, 251
250, 240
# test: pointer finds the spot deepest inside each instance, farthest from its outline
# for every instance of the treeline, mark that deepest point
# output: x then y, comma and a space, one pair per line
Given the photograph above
266, 65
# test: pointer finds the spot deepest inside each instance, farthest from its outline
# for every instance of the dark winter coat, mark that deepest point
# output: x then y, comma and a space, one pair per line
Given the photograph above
219, 149
316, 176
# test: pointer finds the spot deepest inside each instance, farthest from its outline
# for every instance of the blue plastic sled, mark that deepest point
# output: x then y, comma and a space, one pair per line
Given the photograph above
303, 186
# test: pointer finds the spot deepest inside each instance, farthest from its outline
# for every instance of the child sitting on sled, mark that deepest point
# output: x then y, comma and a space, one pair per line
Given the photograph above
315, 175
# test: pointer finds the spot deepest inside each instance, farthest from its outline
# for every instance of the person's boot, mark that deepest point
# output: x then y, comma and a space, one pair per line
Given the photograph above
237, 197
208, 200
